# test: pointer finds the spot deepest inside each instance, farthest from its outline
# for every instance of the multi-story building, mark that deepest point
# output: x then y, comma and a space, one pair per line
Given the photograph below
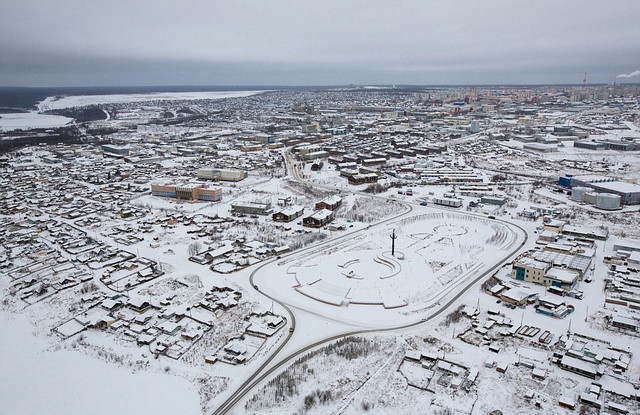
288, 214
530, 270
228, 175
187, 192
318, 218
330, 203
252, 208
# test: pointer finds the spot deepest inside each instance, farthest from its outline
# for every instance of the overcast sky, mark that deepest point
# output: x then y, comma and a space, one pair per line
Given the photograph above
328, 42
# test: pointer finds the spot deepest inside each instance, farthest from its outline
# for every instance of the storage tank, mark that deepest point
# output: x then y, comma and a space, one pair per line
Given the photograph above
591, 197
577, 193
608, 201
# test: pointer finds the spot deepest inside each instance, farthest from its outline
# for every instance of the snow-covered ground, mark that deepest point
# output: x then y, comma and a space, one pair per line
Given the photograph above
52, 103
435, 252
37, 380
30, 120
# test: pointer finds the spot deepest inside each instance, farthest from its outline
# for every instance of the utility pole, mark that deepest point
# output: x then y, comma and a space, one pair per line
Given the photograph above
586, 316
393, 237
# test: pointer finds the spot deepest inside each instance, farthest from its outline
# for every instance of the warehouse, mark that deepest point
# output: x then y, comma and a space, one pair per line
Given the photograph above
447, 201
628, 192
540, 147
493, 200
563, 278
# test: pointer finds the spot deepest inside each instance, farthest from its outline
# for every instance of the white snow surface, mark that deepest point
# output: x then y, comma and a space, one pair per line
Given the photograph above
52, 103
69, 382
29, 120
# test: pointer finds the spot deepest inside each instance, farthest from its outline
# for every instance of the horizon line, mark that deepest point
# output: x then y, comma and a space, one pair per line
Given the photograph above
350, 85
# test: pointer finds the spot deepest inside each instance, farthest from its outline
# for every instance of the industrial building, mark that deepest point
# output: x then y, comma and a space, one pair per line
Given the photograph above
227, 175
604, 201
607, 145
475, 191
493, 200
629, 192
447, 201
530, 270
585, 233
187, 192
114, 150
540, 147
447, 175
562, 278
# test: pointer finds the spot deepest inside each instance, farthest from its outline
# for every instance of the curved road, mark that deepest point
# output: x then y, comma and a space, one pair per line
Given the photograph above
260, 374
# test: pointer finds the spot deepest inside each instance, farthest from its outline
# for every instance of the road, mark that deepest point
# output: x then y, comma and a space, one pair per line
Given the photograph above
263, 373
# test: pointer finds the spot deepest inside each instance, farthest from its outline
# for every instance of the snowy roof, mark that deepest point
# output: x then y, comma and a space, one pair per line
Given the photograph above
332, 200
579, 364
322, 214
623, 187
634, 256
578, 262
515, 294
585, 230
292, 210
530, 262
563, 275
617, 386
254, 244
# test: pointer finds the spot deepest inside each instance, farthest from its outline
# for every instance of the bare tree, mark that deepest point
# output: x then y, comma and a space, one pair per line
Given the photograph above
194, 248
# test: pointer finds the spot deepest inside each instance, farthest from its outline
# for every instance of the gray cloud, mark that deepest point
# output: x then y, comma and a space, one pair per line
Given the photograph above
284, 42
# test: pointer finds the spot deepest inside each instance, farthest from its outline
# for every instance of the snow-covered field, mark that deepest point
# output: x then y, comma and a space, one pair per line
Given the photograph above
52, 103
29, 120
36, 380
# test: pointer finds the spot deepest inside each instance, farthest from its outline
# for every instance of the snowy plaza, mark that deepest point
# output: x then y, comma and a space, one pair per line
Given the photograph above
434, 254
